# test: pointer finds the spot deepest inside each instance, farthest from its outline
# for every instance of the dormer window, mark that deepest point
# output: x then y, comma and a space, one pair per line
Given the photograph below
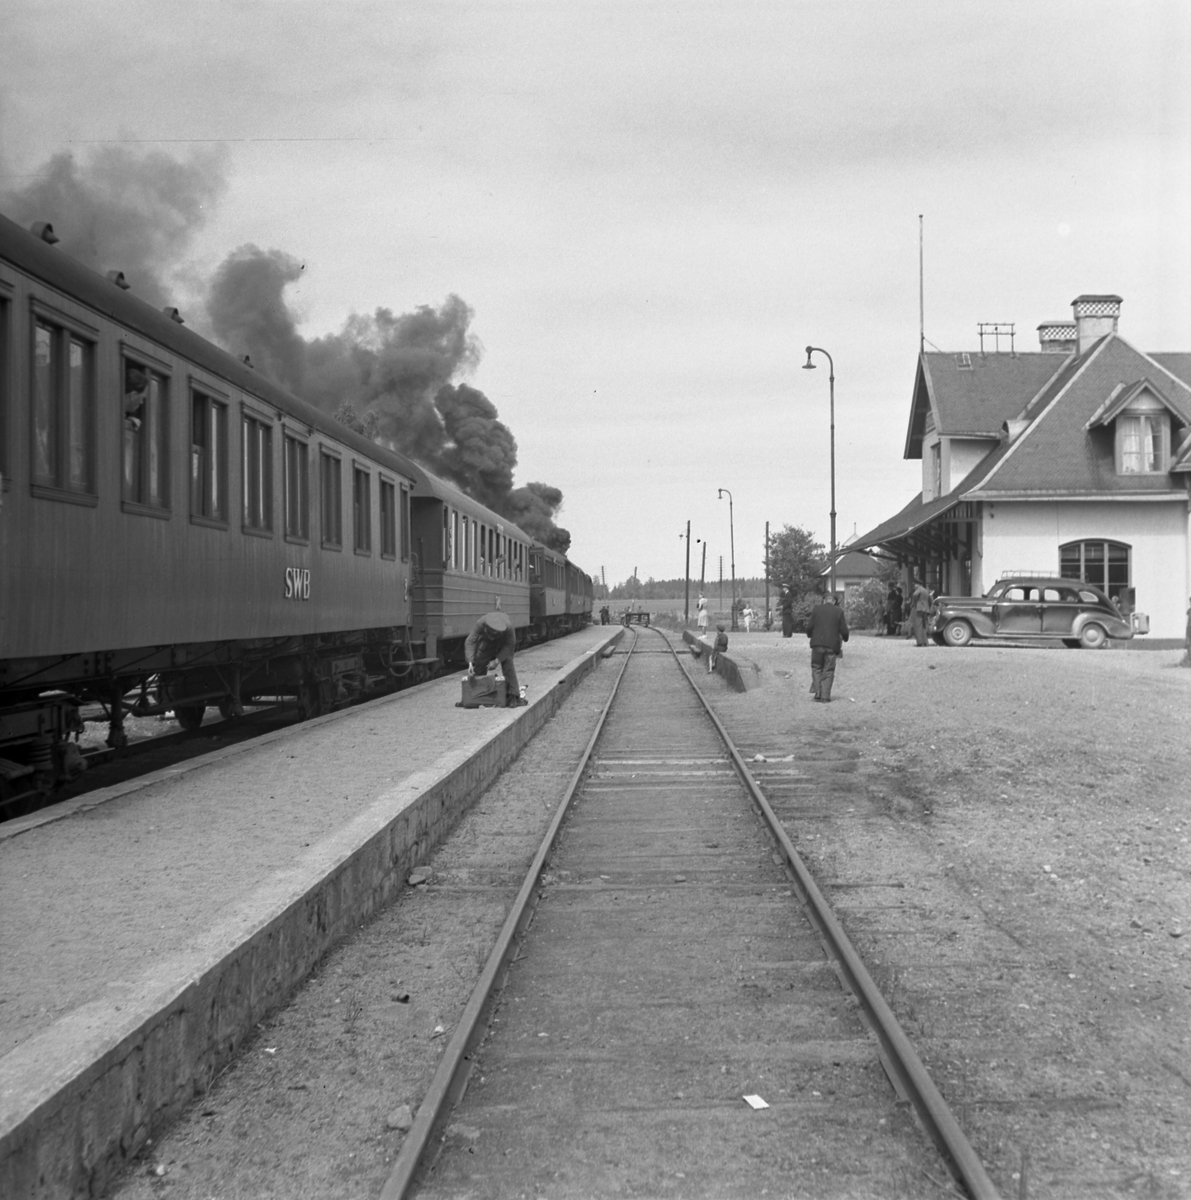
1143, 439
1140, 417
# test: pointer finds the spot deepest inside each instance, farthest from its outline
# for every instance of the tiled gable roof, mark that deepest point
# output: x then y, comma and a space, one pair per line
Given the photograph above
976, 399
1057, 453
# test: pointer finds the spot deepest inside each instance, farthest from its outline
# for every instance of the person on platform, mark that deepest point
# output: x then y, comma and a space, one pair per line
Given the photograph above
827, 630
494, 640
921, 603
893, 610
748, 615
787, 607
703, 617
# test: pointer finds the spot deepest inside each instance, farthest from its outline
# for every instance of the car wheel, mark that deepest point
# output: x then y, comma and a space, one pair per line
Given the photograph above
957, 633
1092, 637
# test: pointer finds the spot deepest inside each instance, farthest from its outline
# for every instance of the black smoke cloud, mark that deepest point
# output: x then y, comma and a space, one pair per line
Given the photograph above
139, 212
396, 370
126, 210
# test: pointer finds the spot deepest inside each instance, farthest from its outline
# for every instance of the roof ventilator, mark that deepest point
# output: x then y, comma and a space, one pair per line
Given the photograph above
45, 231
174, 315
117, 277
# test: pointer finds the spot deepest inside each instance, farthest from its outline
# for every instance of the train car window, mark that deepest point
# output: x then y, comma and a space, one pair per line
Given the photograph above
455, 549
257, 474
446, 536
331, 500
146, 436
208, 458
467, 535
4, 378
388, 520
297, 489
362, 510
405, 535
483, 548
63, 410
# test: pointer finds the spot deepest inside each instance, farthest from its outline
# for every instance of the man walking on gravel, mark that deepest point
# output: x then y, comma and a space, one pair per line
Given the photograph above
827, 630
921, 604
493, 640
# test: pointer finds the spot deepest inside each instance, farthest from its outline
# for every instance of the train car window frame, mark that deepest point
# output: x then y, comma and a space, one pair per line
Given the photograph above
208, 409
406, 534
361, 509
456, 552
330, 499
295, 468
387, 497
145, 425
67, 394
6, 298
256, 472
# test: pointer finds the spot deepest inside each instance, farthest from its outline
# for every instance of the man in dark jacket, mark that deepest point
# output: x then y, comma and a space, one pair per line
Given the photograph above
494, 640
827, 630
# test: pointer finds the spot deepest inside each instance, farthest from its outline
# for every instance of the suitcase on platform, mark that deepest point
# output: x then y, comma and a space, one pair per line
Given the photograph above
483, 691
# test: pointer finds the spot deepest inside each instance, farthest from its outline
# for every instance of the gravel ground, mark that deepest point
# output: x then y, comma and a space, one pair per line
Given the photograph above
317, 1103
1030, 806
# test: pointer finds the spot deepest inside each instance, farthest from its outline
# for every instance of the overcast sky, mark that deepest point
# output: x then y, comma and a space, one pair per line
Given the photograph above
652, 208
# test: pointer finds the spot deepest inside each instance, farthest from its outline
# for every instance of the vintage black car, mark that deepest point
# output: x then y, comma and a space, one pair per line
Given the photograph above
1031, 608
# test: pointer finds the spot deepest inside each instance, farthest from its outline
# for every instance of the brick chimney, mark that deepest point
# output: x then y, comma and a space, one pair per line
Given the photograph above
1057, 337
1095, 317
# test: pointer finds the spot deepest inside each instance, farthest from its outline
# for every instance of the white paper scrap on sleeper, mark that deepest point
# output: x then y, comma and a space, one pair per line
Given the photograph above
755, 1102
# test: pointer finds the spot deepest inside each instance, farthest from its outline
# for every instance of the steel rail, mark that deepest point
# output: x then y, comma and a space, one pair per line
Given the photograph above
911, 1077
454, 1068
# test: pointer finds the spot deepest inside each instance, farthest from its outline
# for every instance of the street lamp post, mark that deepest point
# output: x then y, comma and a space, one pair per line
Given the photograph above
732, 546
810, 366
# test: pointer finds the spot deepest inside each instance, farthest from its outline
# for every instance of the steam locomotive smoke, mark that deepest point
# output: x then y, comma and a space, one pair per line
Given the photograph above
136, 212
139, 212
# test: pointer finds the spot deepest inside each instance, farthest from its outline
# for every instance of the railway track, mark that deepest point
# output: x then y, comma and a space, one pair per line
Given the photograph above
663, 1011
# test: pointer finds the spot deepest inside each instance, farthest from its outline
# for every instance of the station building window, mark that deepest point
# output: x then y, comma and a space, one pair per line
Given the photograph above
297, 489
63, 410
145, 449
1102, 563
331, 500
388, 519
362, 510
1143, 439
208, 458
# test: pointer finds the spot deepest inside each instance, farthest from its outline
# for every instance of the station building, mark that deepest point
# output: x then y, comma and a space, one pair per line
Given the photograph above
1071, 460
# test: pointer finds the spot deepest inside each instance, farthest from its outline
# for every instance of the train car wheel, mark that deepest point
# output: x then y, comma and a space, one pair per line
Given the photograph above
227, 708
190, 716
310, 700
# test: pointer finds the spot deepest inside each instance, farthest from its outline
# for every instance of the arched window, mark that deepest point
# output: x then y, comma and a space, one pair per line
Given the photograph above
1102, 563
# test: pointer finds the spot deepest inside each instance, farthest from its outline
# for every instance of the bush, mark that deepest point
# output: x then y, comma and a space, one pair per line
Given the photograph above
864, 605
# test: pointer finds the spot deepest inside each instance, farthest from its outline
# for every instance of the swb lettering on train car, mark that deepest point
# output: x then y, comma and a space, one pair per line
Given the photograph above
297, 583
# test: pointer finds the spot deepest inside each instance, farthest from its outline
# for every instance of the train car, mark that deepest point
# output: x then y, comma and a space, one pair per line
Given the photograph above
547, 593
466, 561
580, 595
175, 531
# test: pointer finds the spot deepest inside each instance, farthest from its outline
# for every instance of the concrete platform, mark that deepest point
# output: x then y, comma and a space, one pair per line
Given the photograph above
148, 927
741, 674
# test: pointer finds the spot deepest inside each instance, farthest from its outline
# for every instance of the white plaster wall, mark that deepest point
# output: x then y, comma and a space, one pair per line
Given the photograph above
960, 455
1026, 535
929, 441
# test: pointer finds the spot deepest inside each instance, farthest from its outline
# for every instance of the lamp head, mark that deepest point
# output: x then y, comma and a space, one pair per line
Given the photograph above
808, 365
